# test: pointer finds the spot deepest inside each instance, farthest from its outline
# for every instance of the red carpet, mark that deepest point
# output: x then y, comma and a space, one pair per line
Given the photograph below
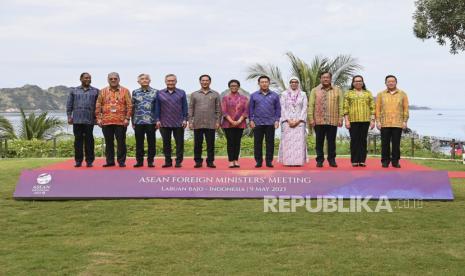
373, 164
456, 174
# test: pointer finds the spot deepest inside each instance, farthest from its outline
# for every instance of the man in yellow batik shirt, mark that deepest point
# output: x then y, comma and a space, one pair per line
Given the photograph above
391, 118
325, 113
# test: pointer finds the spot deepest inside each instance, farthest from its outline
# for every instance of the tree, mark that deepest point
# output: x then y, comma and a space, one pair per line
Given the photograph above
343, 67
39, 127
442, 20
32, 127
6, 129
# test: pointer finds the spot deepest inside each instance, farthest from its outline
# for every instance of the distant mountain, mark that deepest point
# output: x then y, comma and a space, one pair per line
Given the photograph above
32, 97
415, 107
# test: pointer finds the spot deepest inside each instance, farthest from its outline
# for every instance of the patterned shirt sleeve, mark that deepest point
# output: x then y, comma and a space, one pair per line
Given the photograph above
277, 106
128, 105
311, 105
406, 110
98, 105
191, 109
70, 103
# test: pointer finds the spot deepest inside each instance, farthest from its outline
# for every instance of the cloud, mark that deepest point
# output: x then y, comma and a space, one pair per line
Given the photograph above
50, 42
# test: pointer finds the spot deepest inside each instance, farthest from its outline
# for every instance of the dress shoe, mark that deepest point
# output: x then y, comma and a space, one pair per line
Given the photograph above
396, 165
355, 164
363, 165
90, 165
150, 165
198, 165
269, 164
108, 165
319, 164
385, 165
138, 165
178, 165
211, 165
122, 165
78, 165
258, 165
167, 165
333, 164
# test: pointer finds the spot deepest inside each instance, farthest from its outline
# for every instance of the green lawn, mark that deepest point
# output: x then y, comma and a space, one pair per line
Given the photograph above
442, 165
221, 237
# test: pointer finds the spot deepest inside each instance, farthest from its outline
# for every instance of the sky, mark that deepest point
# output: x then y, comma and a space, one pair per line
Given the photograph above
50, 42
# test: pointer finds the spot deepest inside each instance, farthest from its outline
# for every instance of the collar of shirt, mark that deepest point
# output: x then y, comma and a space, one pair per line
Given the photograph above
149, 89
267, 92
201, 91
167, 91
230, 94
392, 93
84, 89
363, 91
330, 87
117, 89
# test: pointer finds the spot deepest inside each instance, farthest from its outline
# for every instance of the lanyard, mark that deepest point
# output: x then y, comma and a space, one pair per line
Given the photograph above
114, 98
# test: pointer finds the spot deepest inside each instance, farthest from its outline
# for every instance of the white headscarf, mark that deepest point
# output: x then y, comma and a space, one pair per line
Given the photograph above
293, 94
291, 79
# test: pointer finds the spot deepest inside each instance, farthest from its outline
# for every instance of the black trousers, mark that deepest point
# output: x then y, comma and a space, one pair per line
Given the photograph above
198, 141
329, 132
141, 131
178, 134
233, 139
83, 139
390, 135
110, 132
260, 132
358, 141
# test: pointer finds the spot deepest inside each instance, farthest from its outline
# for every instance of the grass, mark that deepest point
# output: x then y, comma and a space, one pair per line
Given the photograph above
175, 236
449, 165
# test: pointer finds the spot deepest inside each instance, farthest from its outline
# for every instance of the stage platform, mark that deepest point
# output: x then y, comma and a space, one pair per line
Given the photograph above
246, 164
62, 181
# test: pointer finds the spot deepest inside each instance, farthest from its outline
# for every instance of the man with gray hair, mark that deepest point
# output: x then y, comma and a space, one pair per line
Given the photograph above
171, 118
113, 112
143, 120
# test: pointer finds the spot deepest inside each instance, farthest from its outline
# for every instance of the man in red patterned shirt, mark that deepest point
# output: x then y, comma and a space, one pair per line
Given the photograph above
113, 112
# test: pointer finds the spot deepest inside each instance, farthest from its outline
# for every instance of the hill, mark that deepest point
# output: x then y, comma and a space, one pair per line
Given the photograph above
32, 97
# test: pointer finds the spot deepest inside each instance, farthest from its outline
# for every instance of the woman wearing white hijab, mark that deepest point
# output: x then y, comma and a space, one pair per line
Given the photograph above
293, 146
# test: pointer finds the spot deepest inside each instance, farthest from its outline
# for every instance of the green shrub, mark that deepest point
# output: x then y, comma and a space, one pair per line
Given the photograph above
64, 147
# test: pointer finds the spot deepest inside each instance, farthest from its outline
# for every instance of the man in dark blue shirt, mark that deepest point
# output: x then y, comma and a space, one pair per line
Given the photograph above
171, 118
80, 108
264, 115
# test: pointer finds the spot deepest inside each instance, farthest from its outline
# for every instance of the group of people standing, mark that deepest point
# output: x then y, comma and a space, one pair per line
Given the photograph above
114, 108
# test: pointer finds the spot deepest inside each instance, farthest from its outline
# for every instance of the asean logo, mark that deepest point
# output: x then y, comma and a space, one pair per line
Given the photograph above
44, 179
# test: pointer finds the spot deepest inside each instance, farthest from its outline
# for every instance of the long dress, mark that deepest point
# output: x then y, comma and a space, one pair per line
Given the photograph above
293, 145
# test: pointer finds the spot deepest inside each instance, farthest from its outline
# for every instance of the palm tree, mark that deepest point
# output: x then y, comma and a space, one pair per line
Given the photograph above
39, 127
343, 67
6, 129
